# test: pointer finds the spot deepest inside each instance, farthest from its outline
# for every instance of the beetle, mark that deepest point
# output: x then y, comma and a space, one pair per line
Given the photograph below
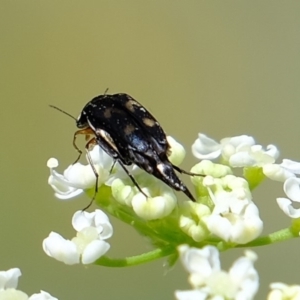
130, 134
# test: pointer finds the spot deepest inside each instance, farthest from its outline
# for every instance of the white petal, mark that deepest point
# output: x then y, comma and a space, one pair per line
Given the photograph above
122, 192
192, 220
78, 177
241, 159
203, 261
62, 250
177, 151
12, 294
153, 208
239, 140
207, 167
81, 176
287, 207
97, 219
85, 237
227, 151
281, 291
277, 172
191, 295
231, 194
245, 277
100, 157
9, 278
82, 219
94, 250
206, 148
237, 228
292, 189
242, 152
219, 226
272, 151
42, 296
70, 194
262, 156
290, 165
63, 188
103, 224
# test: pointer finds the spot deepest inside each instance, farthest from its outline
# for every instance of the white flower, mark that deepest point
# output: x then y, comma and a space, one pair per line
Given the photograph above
238, 151
281, 291
42, 296
235, 218
206, 167
77, 177
9, 283
154, 207
62, 250
292, 189
192, 295
97, 219
160, 203
281, 172
12, 294
89, 245
9, 279
192, 220
291, 166
210, 282
177, 151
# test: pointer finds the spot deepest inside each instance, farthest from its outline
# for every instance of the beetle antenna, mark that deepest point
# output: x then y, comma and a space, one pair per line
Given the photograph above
64, 112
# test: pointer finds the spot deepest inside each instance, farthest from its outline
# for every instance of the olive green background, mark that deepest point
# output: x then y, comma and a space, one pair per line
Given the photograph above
223, 68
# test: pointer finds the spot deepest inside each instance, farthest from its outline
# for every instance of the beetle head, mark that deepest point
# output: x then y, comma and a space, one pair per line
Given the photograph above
81, 121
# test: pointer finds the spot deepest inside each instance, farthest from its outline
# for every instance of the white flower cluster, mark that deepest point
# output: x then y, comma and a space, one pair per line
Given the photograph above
281, 291
94, 228
235, 217
8, 287
238, 151
209, 281
241, 282
225, 208
77, 178
88, 245
241, 151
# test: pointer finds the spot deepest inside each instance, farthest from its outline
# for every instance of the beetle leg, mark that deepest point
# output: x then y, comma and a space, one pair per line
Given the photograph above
186, 172
111, 169
93, 142
86, 132
132, 178
112, 153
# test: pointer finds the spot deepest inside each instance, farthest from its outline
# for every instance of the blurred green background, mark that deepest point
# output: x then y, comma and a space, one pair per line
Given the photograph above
220, 67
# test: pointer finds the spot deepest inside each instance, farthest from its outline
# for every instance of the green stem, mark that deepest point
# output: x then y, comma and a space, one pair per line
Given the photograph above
278, 236
275, 237
135, 260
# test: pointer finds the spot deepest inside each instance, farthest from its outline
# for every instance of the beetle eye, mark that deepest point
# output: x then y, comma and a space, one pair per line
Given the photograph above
82, 121
81, 124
